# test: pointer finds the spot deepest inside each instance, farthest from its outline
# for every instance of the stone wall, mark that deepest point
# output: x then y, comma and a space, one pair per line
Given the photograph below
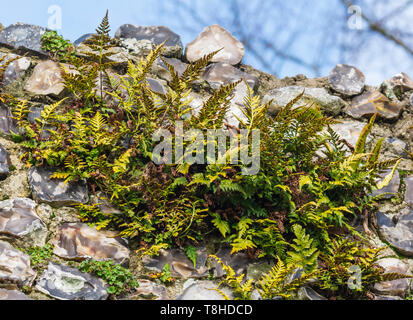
35, 210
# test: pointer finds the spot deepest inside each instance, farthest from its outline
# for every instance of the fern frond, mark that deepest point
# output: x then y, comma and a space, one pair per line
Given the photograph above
388, 178
276, 282
59, 175
305, 253
194, 69
241, 245
221, 225
394, 276
49, 111
20, 112
97, 122
241, 288
254, 112
375, 153
214, 110
121, 164
360, 146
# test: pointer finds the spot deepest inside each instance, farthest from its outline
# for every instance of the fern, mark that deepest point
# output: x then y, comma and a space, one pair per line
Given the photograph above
242, 289
221, 225
4, 97
214, 110
121, 164
276, 282
254, 112
191, 253
305, 252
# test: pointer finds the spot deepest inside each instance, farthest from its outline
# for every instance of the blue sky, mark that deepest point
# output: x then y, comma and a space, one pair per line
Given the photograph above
378, 62
79, 17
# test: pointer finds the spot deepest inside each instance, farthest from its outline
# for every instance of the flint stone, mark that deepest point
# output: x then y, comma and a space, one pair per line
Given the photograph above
149, 290
258, 269
397, 85
381, 297
15, 266
155, 85
307, 293
118, 55
179, 66
137, 47
282, 96
65, 283
408, 196
25, 37
46, 79
54, 191
203, 290
15, 69
220, 73
392, 187
102, 202
350, 131
397, 230
179, 263
78, 241
156, 34
214, 38
238, 262
108, 98
235, 112
396, 287
12, 295
397, 146
18, 218
7, 123
196, 102
160, 69
368, 103
347, 80
54, 218
34, 113
255, 295
83, 38
4, 163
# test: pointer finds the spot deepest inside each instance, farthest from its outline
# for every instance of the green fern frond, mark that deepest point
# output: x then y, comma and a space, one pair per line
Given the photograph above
375, 153
121, 164
221, 225
241, 245
214, 110
194, 69
387, 179
49, 111
242, 289
305, 252
360, 146
394, 276
254, 112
